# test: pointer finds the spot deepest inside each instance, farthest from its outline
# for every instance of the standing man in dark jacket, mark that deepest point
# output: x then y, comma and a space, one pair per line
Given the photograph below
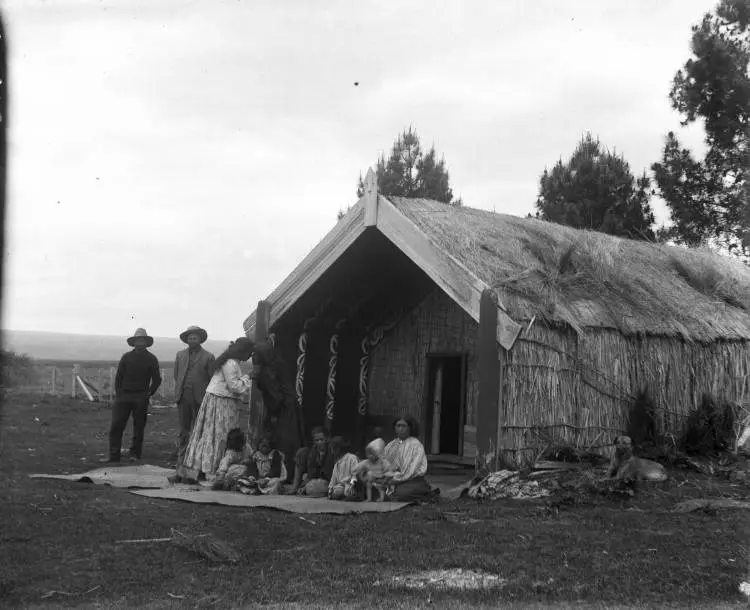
193, 369
136, 381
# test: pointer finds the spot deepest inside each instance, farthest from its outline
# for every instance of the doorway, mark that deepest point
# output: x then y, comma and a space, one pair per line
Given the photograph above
445, 408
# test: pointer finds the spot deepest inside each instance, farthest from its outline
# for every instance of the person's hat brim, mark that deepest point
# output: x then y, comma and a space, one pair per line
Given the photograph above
149, 340
194, 331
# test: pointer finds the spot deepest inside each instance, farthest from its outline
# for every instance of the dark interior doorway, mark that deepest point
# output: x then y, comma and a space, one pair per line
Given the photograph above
445, 408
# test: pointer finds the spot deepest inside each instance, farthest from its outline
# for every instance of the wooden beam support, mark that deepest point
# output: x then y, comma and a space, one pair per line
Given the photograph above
489, 381
255, 421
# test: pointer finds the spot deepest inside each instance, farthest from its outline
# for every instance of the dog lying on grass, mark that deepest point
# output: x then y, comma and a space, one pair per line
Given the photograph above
626, 467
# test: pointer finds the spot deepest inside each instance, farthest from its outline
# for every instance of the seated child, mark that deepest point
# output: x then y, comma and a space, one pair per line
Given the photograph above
374, 469
340, 485
266, 471
233, 464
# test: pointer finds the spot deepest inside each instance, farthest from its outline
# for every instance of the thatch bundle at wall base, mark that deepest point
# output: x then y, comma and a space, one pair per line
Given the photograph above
710, 428
605, 318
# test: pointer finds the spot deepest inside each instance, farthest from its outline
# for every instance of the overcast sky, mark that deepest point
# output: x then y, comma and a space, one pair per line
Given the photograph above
171, 161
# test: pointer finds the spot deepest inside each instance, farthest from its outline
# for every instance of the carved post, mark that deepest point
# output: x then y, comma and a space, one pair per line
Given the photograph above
331, 386
364, 370
299, 380
370, 341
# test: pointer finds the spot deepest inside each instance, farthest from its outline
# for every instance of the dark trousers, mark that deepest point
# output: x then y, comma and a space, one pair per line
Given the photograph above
125, 405
187, 410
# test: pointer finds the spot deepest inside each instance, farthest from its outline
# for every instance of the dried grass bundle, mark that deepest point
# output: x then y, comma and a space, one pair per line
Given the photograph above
206, 546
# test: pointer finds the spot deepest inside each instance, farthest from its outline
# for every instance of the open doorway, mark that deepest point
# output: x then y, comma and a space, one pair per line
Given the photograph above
445, 408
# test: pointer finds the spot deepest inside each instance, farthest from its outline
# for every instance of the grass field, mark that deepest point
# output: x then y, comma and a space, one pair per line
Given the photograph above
58, 540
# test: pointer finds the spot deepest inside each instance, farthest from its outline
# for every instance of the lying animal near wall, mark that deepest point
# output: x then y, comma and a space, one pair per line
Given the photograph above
625, 466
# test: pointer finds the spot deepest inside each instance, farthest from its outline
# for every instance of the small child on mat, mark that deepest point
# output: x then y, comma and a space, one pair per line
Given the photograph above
373, 470
340, 485
266, 471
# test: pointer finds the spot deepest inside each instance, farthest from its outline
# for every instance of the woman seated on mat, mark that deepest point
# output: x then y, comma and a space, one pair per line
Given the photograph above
408, 462
340, 486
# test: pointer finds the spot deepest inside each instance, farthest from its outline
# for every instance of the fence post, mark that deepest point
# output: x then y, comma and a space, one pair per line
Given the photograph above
75, 374
54, 381
111, 384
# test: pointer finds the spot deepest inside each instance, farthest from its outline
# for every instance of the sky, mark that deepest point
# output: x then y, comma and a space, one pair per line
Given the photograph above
171, 161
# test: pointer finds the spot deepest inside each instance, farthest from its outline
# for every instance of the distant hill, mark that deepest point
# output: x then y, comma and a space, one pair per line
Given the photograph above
91, 348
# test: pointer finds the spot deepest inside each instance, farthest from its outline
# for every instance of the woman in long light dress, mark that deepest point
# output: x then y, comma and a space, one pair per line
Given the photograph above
219, 413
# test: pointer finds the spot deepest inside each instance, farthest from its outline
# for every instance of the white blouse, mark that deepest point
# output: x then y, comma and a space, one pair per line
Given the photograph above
229, 381
407, 457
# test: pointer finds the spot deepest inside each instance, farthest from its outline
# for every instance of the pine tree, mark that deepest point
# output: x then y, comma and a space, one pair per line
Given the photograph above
409, 172
709, 200
596, 190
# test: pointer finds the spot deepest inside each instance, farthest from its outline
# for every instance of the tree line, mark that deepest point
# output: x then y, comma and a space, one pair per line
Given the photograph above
708, 200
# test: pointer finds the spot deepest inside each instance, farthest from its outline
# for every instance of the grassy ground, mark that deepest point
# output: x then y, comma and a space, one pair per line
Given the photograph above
58, 540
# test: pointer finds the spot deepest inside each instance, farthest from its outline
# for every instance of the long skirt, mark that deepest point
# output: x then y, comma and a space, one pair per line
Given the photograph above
409, 491
216, 417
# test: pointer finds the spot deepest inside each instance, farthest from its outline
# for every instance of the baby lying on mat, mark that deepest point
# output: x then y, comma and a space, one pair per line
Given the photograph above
375, 470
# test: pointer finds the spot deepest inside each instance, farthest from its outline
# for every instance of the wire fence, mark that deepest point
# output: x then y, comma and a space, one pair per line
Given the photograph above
94, 382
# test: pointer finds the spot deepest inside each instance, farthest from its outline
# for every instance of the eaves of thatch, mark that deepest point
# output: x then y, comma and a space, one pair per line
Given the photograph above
584, 279
541, 271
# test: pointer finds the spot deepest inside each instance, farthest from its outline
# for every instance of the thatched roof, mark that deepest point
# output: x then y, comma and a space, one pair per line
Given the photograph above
588, 279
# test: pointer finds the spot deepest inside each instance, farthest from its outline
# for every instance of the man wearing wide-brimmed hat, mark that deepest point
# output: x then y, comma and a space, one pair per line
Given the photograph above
193, 368
136, 381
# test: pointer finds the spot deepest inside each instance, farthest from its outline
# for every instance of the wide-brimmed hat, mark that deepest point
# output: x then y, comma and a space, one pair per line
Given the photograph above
194, 330
140, 333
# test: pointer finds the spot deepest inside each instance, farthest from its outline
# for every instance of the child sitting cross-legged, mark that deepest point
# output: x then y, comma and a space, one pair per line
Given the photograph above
340, 486
266, 471
374, 470
234, 463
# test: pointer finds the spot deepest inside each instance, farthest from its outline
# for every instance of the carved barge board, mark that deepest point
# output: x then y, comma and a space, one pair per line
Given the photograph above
312, 267
450, 275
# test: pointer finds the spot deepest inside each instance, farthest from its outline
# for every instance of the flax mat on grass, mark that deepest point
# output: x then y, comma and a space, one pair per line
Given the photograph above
292, 504
142, 477
151, 482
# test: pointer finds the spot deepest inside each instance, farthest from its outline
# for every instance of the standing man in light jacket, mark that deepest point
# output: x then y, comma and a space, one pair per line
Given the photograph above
193, 368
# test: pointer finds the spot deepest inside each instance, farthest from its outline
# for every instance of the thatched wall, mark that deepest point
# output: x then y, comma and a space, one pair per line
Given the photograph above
564, 388
397, 364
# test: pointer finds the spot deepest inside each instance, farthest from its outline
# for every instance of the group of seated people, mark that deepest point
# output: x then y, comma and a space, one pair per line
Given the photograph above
394, 471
